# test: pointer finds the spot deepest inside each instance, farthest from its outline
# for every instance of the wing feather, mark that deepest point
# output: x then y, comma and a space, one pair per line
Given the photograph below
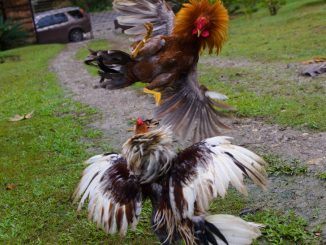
114, 195
206, 170
187, 109
135, 13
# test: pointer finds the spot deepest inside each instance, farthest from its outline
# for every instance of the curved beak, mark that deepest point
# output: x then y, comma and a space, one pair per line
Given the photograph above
198, 32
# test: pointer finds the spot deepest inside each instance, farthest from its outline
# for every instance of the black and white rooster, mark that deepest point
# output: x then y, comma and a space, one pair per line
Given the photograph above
179, 185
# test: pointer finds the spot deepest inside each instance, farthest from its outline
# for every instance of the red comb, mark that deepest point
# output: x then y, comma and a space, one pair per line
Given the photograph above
140, 121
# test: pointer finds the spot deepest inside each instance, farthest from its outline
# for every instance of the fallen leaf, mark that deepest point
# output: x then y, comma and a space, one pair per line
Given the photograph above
10, 187
316, 161
17, 117
29, 115
314, 60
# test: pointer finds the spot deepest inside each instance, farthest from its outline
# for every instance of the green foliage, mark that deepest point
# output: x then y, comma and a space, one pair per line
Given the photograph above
278, 166
11, 34
283, 229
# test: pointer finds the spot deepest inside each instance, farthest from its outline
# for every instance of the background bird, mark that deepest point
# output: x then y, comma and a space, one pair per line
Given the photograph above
166, 57
179, 185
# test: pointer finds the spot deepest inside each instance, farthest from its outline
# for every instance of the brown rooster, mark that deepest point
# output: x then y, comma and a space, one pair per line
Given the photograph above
180, 187
167, 59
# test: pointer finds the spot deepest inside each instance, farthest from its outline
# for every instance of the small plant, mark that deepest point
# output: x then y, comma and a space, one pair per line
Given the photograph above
278, 166
274, 5
11, 34
283, 228
321, 176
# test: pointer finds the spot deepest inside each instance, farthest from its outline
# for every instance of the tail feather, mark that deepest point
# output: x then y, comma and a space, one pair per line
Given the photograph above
113, 67
232, 230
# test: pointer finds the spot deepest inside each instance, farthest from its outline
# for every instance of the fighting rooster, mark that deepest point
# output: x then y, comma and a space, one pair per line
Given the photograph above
167, 58
179, 185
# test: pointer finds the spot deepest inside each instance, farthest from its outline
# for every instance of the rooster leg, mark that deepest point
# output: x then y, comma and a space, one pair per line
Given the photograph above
140, 45
160, 81
157, 95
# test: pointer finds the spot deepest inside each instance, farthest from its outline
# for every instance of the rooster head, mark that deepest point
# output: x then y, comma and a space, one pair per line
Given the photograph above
144, 126
205, 21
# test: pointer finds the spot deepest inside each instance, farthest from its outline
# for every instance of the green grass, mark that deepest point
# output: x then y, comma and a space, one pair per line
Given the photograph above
283, 229
296, 33
265, 89
277, 98
321, 175
278, 166
43, 157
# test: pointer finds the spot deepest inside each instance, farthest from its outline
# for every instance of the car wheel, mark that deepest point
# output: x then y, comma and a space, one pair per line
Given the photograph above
76, 35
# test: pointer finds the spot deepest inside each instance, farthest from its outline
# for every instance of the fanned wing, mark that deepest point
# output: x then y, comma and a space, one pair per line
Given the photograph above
114, 196
187, 107
135, 13
205, 170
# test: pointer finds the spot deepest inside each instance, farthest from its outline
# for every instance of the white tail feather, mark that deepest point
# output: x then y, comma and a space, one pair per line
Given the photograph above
235, 230
216, 95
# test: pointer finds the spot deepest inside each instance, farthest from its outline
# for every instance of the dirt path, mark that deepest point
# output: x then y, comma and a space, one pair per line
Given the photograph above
305, 194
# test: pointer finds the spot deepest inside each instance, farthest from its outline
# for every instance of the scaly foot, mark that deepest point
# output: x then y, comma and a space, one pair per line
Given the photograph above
157, 95
149, 27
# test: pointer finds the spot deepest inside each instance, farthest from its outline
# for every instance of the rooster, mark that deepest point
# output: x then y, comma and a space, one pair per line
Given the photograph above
167, 58
179, 185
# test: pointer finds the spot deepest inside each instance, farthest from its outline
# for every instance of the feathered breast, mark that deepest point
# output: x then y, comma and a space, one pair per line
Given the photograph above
217, 16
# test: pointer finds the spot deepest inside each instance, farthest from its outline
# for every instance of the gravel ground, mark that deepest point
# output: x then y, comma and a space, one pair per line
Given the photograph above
305, 194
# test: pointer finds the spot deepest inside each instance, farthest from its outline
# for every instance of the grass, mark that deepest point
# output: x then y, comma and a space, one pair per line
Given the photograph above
278, 166
265, 89
321, 175
279, 99
41, 157
296, 33
282, 229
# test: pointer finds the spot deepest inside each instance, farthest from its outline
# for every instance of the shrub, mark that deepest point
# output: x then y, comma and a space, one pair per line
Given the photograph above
11, 34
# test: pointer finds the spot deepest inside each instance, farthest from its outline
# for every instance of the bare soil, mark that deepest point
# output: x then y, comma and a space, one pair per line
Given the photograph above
305, 194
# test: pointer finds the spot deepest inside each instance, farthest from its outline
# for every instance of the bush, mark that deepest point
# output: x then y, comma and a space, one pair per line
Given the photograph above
11, 34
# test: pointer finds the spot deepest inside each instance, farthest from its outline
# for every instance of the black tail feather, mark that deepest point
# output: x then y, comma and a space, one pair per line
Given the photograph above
213, 229
112, 67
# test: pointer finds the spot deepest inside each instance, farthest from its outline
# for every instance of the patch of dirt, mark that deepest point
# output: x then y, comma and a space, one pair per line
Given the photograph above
305, 194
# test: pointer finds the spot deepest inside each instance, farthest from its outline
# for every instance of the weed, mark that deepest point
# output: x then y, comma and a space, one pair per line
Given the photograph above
321, 176
278, 166
282, 228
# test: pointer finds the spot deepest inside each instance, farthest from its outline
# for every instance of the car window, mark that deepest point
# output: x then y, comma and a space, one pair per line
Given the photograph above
45, 21
51, 20
59, 18
76, 14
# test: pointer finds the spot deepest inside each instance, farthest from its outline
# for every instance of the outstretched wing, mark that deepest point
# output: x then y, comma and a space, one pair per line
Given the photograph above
187, 107
114, 195
135, 13
205, 170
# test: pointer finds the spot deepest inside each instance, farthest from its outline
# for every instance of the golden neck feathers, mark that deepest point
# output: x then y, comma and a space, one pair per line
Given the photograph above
205, 21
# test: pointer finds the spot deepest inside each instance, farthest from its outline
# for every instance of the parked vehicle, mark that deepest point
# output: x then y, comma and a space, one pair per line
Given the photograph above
62, 25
